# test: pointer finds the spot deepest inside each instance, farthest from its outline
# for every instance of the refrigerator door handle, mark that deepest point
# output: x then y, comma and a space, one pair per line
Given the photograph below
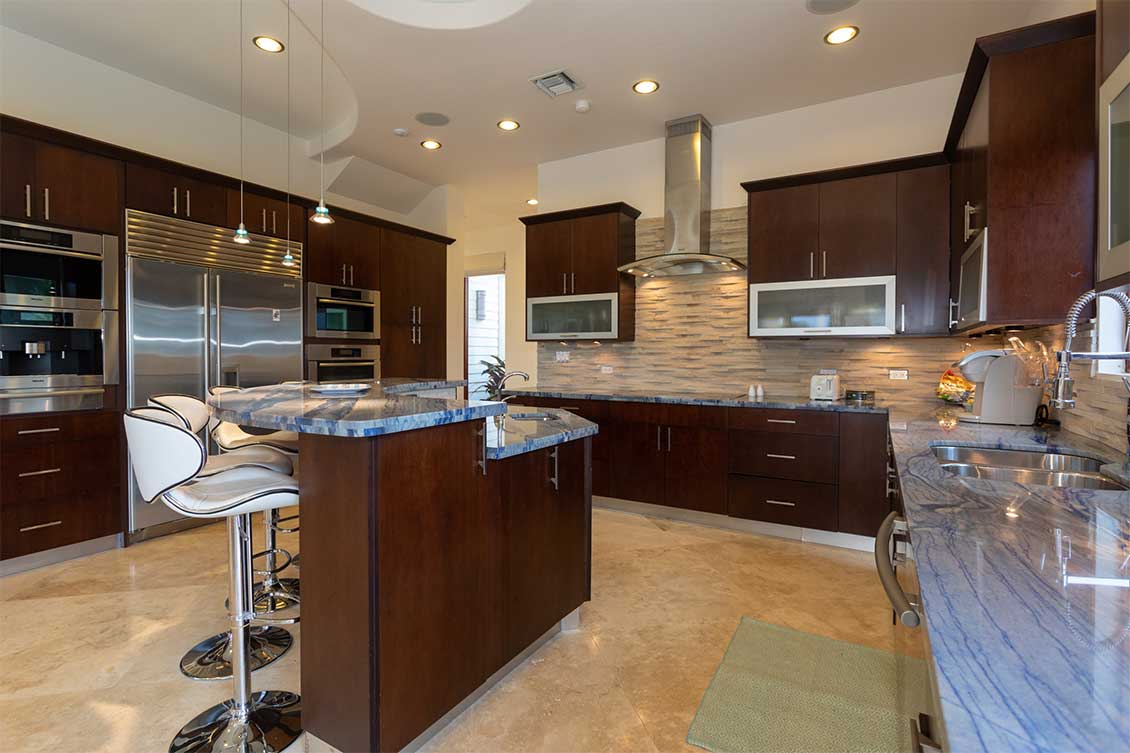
219, 334
207, 336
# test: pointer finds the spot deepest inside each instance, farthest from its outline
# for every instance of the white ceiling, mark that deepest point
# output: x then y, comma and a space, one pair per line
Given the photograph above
728, 59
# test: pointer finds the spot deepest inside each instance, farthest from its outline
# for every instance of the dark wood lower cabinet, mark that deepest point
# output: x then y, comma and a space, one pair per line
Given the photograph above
418, 585
695, 469
863, 501
638, 462
60, 480
774, 500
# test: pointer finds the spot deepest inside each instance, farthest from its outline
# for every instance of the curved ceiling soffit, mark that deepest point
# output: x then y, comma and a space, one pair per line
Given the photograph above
335, 133
443, 14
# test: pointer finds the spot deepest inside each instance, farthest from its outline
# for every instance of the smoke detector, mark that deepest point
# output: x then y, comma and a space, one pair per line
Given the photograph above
556, 83
827, 7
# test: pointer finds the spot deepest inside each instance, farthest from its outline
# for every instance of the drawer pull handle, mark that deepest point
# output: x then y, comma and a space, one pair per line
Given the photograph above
779, 502
780, 457
780, 420
37, 431
46, 472
25, 529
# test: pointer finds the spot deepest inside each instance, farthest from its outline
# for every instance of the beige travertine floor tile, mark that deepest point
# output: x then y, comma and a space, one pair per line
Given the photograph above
89, 648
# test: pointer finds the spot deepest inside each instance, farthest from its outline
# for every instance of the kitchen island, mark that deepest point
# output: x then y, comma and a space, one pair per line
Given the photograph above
1025, 593
442, 542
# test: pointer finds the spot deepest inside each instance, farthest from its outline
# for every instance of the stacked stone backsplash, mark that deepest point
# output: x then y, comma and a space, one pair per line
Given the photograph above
691, 338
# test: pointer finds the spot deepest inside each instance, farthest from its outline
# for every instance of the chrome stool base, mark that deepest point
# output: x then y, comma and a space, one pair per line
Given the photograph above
285, 592
211, 658
272, 724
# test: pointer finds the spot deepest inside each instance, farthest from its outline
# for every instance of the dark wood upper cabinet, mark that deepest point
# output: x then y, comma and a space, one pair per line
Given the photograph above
923, 285
164, 192
784, 234
264, 215
1113, 32
549, 259
57, 185
346, 253
857, 227
596, 246
1023, 144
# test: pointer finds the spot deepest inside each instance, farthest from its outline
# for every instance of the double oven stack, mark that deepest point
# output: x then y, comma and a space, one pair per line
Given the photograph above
59, 325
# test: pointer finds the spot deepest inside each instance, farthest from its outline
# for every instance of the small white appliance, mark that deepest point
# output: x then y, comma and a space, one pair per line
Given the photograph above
825, 386
1005, 394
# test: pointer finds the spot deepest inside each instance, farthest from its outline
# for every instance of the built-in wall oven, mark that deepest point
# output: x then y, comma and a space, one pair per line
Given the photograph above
340, 312
49, 267
343, 363
59, 327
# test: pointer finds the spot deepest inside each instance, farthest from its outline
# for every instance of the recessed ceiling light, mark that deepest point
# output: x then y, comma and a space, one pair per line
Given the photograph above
268, 44
647, 86
532, 202
430, 144
841, 34
509, 125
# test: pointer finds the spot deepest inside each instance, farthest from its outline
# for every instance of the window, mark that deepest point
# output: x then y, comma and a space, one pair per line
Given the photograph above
486, 325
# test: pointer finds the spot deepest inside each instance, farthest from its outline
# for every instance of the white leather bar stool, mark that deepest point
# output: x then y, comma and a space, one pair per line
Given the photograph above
273, 596
166, 458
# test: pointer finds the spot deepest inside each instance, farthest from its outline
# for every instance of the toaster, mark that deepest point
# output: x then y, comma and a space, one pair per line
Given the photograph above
825, 386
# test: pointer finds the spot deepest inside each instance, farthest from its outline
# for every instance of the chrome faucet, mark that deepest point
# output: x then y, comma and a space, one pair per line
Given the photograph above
510, 375
1063, 386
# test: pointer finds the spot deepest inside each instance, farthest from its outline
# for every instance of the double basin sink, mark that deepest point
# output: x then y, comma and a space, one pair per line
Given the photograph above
1024, 467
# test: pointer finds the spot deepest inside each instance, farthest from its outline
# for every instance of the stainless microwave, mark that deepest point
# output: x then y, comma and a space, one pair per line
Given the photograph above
973, 283
573, 317
340, 312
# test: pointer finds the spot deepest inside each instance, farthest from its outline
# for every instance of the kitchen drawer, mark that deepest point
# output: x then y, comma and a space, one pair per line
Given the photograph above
19, 431
793, 503
818, 422
35, 525
637, 413
38, 471
802, 457
696, 416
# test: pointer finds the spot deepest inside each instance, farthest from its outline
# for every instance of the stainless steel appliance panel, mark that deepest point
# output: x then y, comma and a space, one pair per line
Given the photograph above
166, 347
343, 313
343, 363
259, 329
45, 266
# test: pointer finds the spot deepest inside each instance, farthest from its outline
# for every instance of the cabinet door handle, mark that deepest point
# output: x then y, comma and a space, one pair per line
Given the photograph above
25, 529
659, 439
46, 203
264, 219
274, 222
174, 199
780, 503
564, 283
824, 264
780, 421
573, 282
902, 317
350, 274
419, 315
45, 472
953, 320
187, 202
27, 199
780, 457
342, 274
37, 431
969, 211
811, 265
668, 439
554, 479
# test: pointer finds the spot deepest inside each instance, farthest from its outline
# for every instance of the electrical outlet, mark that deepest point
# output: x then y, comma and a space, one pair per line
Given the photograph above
898, 375
605, 369
562, 356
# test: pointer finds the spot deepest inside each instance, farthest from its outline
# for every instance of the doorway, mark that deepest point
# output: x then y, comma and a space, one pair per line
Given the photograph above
486, 326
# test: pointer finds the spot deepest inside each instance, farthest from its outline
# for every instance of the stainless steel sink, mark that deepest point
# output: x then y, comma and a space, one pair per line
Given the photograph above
1024, 467
531, 417
1048, 461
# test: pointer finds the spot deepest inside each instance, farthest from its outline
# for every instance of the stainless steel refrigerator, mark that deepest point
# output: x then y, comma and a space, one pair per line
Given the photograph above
197, 317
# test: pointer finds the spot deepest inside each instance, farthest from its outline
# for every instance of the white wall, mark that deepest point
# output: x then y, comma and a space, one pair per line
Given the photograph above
887, 124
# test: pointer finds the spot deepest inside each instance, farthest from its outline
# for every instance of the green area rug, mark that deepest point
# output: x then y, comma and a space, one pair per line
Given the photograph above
781, 691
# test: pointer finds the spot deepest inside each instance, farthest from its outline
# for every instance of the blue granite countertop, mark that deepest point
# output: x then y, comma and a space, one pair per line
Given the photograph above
726, 400
1025, 592
525, 429
294, 407
406, 385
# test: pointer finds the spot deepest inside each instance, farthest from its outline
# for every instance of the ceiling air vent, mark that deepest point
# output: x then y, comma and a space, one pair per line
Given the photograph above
556, 83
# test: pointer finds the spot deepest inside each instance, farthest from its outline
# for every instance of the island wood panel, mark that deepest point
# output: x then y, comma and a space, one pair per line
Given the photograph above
339, 658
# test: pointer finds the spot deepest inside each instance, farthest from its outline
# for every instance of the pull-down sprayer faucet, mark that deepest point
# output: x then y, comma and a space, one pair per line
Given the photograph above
1063, 386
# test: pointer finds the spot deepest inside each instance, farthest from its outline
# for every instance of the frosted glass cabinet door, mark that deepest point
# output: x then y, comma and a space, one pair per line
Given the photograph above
857, 306
587, 317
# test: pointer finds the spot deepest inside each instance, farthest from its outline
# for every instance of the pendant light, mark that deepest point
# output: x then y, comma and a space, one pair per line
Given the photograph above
321, 212
241, 234
288, 258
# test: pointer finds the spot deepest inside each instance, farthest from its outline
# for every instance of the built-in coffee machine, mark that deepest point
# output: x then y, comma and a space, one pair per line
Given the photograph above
58, 318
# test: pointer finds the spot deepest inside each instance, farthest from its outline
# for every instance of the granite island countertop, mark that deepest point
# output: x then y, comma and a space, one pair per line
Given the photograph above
1025, 593
524, 429
719, 399
409, 385
294, 407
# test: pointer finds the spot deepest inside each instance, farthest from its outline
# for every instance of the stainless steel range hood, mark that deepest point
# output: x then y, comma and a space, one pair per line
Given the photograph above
687, 207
